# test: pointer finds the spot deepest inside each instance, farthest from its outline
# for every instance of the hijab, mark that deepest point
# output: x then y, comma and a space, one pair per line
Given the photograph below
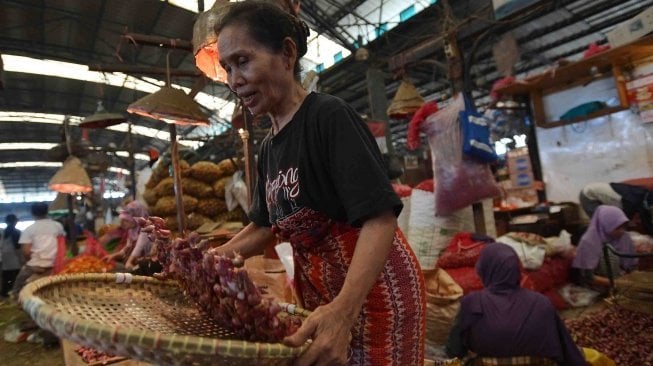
505, 320
590, 248
130, 212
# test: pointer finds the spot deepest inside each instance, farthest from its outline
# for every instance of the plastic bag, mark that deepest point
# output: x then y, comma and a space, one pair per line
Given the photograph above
460, 181
93, 247
476, 133
578, 296
285, 254
236, 192
60, 259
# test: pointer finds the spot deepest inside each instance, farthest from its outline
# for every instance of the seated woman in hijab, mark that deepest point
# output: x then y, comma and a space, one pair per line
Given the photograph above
137, 246
608, 226
506, 321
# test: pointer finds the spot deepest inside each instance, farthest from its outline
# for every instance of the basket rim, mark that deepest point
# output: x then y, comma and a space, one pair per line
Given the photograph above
46, 316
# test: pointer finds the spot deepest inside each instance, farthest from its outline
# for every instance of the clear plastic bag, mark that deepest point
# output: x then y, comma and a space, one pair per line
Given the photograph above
460, 181
236, 192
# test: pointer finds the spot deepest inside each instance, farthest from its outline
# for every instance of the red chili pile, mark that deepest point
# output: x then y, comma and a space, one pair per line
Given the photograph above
219, 285
623, 335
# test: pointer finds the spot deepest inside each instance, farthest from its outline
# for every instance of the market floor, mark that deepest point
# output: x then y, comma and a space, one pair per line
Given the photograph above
24, 353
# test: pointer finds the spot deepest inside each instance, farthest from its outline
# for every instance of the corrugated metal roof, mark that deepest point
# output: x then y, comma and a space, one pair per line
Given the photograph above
90, 32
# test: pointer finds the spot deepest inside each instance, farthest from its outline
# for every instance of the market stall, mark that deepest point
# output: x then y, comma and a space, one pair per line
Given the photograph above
486, 119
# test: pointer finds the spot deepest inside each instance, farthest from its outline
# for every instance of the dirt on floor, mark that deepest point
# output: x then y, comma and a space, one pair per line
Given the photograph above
24, 353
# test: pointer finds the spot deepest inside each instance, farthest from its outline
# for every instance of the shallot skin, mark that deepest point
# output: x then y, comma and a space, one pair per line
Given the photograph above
219, 285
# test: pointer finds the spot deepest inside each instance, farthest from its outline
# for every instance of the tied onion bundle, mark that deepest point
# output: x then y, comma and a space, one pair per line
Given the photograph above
219, 285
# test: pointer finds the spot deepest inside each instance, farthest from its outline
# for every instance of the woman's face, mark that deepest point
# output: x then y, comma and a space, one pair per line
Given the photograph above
127, 224
619, 232
259, 77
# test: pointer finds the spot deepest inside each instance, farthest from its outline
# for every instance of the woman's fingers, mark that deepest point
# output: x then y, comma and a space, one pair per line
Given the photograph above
302, 334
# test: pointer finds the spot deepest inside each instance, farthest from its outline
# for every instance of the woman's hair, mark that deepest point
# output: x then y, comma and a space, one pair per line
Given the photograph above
11, 219
269, 25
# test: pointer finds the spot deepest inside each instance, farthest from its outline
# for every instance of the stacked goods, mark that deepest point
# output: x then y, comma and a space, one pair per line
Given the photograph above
219, 285
203, 186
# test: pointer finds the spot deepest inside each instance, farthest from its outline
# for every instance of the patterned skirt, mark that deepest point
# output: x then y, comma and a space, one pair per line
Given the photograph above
391, 326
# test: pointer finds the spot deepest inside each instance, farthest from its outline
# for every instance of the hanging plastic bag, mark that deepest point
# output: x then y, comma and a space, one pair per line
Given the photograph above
236, 192
476, 133
460, 181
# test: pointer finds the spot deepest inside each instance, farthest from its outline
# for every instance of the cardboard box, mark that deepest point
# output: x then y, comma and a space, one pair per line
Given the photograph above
522, 179
518, 161
632, 29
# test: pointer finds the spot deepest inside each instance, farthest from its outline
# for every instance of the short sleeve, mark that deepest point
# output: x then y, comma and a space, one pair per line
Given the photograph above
355, 164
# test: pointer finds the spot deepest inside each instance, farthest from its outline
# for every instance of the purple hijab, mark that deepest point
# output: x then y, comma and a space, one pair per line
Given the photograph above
589, 250
505, 320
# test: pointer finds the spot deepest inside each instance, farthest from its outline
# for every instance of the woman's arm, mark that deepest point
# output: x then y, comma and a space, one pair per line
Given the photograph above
329, 326
141, 243
250, 241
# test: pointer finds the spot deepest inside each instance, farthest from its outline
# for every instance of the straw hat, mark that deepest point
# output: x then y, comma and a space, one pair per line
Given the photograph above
71, 178
407, 101
170, 105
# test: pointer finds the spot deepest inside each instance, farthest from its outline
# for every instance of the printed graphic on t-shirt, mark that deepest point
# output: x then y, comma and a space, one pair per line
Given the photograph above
282, 193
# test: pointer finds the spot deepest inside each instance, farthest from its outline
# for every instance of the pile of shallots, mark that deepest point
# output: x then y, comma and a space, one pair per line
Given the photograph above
219, 285
623, 335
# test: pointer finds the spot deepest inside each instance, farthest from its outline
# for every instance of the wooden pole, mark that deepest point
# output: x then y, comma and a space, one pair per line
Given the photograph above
245, 134
146, 39
132, 161
176, 173
72, 231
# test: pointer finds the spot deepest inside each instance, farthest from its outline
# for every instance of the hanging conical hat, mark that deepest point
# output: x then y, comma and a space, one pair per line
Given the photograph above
407, 101
71, 178
170, 105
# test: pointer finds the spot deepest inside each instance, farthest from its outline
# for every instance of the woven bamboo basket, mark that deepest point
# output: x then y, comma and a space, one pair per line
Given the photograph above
143, 318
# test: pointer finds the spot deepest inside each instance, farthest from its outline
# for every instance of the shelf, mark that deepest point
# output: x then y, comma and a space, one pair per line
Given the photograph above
607, 63
567, 75
597, 114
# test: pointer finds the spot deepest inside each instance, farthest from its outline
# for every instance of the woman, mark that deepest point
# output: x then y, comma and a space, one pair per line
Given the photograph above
608, 226
322, 187
137, 244
11, 257
505, 320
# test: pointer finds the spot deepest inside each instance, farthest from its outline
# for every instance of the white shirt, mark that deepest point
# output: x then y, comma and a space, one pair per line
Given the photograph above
42, 234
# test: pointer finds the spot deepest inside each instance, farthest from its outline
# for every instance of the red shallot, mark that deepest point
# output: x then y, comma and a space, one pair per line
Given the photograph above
219, 285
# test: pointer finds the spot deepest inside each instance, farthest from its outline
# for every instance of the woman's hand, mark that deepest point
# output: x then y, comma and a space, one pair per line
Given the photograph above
111, 257
330, 332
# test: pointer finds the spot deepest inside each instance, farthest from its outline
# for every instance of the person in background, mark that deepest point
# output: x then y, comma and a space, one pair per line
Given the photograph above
39, 247
323, 187
12, 258
608, 226
506, 321
137, 244
634, 197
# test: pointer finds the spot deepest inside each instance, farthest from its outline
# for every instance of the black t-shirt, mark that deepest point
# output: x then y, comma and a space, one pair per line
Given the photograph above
325, 159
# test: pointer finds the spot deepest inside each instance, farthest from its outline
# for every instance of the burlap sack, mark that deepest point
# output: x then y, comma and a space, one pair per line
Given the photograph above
442, 305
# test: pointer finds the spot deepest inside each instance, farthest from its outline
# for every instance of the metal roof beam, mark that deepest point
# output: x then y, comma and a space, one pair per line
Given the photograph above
318, 17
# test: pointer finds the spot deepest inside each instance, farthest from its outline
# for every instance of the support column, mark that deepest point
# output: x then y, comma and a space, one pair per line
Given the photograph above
379, 103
